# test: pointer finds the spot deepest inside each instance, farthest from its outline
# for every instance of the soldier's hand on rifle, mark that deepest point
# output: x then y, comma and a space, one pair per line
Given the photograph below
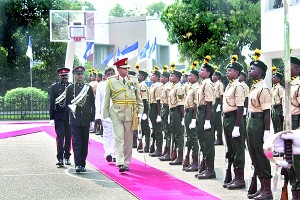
182, 122
192, 124
158, 118
218, 109
144, 116
279, 145
295, 136
267, 135
245, 111
236, 132
207, 125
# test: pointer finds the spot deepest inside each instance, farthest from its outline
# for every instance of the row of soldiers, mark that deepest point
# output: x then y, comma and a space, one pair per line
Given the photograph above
200, 107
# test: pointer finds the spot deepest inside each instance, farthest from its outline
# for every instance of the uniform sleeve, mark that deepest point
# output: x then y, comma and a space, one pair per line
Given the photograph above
107, 100
69, 96
180, 96
239, 96
52, 102
209, 93
139, 101
92, 103
281, 92
98, 102
265, 99
158, 93
221, 89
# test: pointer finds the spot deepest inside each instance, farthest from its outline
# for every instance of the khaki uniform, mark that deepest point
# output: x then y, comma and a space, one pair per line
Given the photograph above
164, 100
260, 99
186, 87
276, 113
219, 90
233, 98
94, 86
126, 104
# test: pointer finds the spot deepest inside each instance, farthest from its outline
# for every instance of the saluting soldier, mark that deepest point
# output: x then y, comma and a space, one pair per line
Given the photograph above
165, 89
144, 92
126, 108
233, 108
155, 112
277, 99
205, 118
176, 105
59, 113
190, 107
217, 107
81, 101
258, 127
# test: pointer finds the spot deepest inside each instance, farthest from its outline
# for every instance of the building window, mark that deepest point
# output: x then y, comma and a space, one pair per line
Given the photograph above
277, 4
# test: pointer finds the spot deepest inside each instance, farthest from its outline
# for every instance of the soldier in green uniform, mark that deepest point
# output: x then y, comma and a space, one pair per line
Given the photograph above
277, 98
242, 78
190, 107
233, 108
176, 105
142, 75
155, 112
258, 127
205, 118
217, 107
126, 108
165, 89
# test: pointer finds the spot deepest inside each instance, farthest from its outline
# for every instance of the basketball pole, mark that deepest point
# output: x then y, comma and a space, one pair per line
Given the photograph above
70, 55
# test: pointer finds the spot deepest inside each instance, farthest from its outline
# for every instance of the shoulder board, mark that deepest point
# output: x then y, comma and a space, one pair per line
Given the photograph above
53, 84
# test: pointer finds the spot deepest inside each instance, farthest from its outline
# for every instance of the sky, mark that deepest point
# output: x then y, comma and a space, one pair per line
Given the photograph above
136, 5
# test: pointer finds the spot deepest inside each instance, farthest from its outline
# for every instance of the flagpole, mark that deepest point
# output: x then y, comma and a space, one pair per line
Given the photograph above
31, 64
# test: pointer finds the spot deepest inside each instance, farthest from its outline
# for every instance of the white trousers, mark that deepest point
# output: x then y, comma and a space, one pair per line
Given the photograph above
108, 139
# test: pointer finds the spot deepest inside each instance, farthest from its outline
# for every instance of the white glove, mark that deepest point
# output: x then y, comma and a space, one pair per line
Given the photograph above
169, 119
207, 125
144, 116
51, 122
245, 111
218, 109
139, 116
236, 132
182, 122
295, 136
158, 119
279, 145
267, 135
192, 124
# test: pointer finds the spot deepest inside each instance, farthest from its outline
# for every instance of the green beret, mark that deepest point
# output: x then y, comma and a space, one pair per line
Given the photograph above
143, 73
195, 72
235, 65
209, 67
166, 74
157, 73
259, 64
295, 61
243, 74
217, 73
279, 75
132, 73
177, 73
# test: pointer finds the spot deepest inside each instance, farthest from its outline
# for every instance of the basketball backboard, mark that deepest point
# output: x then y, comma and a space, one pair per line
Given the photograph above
62, 23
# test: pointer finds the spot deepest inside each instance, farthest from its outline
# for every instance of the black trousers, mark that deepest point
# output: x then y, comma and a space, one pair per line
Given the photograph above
80, 141
63, 139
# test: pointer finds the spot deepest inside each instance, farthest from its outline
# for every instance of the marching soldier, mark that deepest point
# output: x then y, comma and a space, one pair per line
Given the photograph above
165, 89
155, 112
258, 128
217, 107
190, 107
126, 108
81, 101
59, 113
205, 118
176, 105
142, 75
233, 108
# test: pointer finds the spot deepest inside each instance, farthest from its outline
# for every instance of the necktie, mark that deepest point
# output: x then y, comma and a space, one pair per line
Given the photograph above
124, 81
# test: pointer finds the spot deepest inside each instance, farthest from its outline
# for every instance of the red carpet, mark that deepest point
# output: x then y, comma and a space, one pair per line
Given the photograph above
144, 182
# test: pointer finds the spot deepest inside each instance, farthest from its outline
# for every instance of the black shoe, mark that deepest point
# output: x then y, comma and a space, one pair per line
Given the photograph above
67, 161
218, 142
78, 169
83, 169
114, 159
122, 168
98, 133
108, 158
126, 168
60, 163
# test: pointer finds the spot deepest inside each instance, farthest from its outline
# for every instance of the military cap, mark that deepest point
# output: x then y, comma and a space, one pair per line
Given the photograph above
235, 65
63, 71
123, 63
243, 74
143, 73
132, 73
259, 64
217, 73
166, 74
195, 72
279, 75
79, 69
177, 73
157, 73
208, 67
295, 61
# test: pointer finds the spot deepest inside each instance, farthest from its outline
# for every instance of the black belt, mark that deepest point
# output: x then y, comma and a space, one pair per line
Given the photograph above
166, 105
152, 104
295, 117
256, 114
189, 109
277, 106
229, 114
174, 108
202, 107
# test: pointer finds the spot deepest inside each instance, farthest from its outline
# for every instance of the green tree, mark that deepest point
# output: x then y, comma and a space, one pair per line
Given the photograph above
218, 28
155, 9
117, 11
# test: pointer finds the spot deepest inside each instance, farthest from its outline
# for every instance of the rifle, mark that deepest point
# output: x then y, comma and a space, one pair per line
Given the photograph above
284, 191
228, 175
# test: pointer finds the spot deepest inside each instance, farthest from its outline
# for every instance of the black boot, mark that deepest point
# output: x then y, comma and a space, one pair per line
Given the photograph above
158, 151
251, 196
194, 166
209, 172
174, 154
152, 149
239, 182
253, 186
178, 160
146, 148
201, 168
166, 150
228, 178
266, 194
186, 162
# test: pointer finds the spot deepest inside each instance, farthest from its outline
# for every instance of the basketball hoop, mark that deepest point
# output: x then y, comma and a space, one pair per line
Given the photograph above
77, 39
